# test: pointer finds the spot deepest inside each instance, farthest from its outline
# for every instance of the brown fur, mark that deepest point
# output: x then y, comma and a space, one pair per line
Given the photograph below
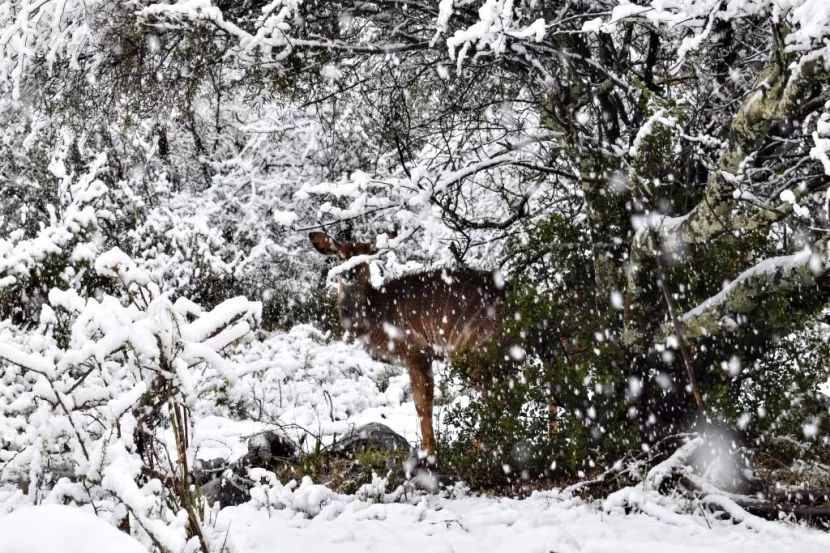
416, 318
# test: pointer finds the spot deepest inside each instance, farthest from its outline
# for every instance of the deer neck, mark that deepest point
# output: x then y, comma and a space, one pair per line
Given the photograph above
357, 303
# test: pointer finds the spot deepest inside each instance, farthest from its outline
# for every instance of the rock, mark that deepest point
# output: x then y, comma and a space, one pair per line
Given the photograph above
227, 482
267, 446
373, 436
227, 490
205, 471
221, 481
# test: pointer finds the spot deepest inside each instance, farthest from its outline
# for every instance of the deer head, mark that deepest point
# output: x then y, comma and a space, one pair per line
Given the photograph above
353, 285
327, 245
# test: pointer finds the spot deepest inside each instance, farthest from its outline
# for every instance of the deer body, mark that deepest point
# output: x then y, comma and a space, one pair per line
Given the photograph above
417, 318
435, 313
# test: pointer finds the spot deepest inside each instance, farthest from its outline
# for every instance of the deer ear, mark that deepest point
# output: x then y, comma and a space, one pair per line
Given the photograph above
322, 243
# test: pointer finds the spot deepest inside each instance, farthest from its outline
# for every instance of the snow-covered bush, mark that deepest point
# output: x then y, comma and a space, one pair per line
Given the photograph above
55, 238
316, 385
212, 245
315, 500
102, 415
68, 199
305, 497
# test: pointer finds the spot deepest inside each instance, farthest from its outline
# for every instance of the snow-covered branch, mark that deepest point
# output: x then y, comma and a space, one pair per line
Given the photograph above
728, 203
742, 301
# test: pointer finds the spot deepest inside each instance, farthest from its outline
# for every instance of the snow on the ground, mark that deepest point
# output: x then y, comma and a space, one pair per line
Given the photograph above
61, 529
307, 383
543, 523
309, 386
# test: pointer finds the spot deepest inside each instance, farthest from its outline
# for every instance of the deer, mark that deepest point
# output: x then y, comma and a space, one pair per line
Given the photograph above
417, 318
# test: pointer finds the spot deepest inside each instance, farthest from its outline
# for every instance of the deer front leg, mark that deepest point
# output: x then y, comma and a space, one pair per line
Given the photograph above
553, 418
420, 377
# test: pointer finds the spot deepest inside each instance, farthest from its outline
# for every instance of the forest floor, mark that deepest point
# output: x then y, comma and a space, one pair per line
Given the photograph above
543, 523
313, 386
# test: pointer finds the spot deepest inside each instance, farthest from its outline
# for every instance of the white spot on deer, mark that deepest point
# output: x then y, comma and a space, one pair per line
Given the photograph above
391, 330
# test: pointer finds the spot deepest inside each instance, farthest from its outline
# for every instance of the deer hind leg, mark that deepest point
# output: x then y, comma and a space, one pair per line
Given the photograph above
420, 377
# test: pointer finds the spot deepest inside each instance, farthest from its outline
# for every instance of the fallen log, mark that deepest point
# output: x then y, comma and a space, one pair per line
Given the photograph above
805, 505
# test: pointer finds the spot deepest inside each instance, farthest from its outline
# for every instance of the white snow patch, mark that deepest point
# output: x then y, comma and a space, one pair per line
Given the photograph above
546, 521
61, 529
787, 196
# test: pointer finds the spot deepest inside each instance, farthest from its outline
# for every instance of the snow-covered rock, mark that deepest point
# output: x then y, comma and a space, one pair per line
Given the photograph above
372, 436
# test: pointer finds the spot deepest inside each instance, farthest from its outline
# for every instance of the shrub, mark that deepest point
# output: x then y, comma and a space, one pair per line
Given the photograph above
102, 414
